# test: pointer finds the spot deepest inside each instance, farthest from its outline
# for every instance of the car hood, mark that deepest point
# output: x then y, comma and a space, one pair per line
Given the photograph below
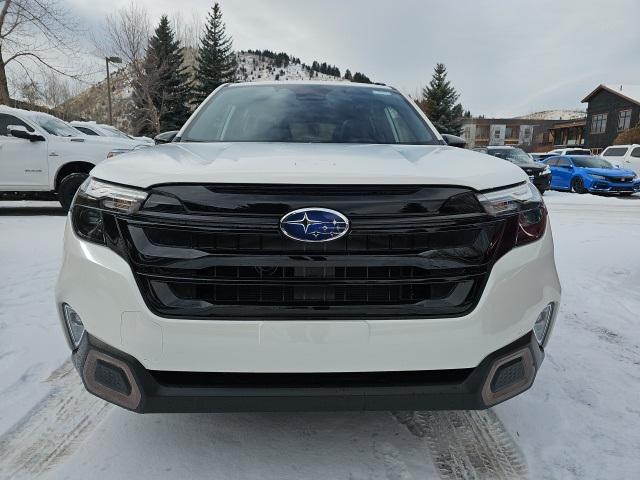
610, 172
113, 142
533, 166
308, 164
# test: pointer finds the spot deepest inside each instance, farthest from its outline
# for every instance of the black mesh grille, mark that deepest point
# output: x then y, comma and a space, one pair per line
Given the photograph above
217, 252
508, 374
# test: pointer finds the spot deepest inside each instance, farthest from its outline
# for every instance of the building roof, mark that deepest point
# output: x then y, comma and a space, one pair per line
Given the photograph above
571, 123
628, 92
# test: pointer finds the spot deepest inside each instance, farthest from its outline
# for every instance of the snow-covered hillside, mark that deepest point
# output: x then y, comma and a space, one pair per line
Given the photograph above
555, 115
254, 68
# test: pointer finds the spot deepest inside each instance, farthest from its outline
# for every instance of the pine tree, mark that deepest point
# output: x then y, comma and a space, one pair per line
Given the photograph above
215, 61
360, 78
347, 75
167, 83
439, 102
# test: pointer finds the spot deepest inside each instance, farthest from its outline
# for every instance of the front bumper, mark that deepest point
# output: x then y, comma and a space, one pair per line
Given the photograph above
542, 182
119, 378
613, 187
99, 285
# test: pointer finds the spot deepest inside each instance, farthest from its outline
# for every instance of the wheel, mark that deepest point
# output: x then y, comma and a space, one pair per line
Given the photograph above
68, 187
577, 185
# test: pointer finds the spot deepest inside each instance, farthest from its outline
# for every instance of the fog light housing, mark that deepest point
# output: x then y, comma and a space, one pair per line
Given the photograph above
73, 322
541, 327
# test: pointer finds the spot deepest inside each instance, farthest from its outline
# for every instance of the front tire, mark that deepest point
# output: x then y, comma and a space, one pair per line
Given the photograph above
68, 187
577, 185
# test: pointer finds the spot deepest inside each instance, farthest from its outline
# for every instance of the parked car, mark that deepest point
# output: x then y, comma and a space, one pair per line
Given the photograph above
571, 151
540, 175
624, 156
41, 153
307, 246
102, 130
583, 174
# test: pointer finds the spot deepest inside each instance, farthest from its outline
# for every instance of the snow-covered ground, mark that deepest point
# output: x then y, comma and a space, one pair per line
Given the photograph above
580, 420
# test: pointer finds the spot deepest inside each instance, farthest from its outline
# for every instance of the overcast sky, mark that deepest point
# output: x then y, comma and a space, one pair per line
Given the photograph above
505, 57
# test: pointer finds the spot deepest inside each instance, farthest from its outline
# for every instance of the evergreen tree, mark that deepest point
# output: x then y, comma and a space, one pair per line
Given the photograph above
347, 75
166, 84
439, 102
215, 61
360, 78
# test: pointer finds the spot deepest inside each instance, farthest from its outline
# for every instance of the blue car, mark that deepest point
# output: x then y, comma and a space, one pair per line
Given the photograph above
582, 174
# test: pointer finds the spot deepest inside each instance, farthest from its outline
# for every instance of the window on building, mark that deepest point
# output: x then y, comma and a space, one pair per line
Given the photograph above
599, 123
482, 131
511, 132
624, 119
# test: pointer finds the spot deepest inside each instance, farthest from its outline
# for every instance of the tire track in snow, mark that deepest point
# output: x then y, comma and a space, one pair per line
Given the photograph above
468, 445
53, 428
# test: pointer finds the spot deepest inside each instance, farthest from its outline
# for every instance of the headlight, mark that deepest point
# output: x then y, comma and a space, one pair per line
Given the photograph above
117, 151
522, 200
547, 170
598, 177
94, 199
509, 200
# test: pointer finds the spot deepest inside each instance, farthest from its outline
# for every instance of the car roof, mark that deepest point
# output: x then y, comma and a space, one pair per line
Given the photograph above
30, 114
626, 145
311, 82
489, 147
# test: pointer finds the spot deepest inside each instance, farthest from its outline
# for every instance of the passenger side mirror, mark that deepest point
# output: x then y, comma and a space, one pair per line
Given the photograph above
20, 131
165, 137
454, 140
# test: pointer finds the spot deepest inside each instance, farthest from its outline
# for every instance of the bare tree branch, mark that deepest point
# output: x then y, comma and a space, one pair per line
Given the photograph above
37, 34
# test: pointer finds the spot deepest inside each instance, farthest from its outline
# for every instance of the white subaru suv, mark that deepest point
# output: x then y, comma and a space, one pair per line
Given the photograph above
307, 246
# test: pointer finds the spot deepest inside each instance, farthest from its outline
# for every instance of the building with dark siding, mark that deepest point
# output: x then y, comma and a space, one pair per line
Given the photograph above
611, 110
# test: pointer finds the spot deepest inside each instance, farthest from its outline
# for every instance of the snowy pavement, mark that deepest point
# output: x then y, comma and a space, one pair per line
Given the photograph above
580, 420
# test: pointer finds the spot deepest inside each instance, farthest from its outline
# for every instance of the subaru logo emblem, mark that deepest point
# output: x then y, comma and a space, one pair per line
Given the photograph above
314, 225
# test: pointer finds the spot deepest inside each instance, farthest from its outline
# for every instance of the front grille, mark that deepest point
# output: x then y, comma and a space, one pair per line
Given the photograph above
217, 252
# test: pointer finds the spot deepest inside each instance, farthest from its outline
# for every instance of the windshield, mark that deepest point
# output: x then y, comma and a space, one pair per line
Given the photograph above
56, 127
514, 155
591, 162
309, 114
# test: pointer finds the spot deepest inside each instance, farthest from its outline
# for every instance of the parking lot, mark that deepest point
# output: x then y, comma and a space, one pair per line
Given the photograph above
576, 422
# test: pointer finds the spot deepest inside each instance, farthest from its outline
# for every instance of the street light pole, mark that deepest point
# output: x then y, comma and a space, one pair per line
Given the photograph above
109, 92
107, 61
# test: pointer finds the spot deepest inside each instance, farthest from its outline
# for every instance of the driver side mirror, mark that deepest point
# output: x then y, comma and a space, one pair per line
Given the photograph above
20, 131
454, 140
165, 137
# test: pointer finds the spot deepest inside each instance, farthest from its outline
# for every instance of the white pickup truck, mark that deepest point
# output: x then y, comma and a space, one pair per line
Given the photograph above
40, 153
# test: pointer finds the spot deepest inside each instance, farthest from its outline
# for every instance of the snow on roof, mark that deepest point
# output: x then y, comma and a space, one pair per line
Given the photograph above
630, 92
31, 114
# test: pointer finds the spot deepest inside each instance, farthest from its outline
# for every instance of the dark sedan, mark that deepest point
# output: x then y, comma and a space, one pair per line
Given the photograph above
539, 174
